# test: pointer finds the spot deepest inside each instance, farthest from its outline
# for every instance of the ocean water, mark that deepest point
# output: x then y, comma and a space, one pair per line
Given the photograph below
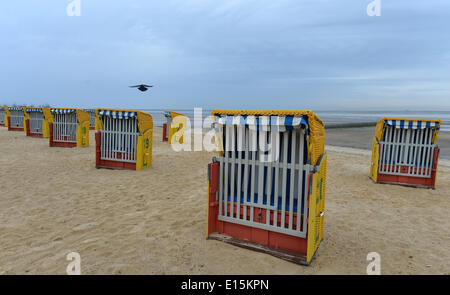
328, 117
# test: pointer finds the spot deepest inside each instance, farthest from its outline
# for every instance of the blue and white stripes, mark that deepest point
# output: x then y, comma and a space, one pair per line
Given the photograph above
264, 123
406, 124
63, 111
15, 108
36, 110
117, 114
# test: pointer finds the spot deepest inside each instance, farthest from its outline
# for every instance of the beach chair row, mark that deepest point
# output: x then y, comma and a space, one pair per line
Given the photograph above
266, 186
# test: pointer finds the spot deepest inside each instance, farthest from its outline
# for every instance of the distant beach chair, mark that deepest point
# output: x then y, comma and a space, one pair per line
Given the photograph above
266, 189
4, 117
93, 120
37, 122
16, 118
124, 139
69, 128
172, 133
404, 151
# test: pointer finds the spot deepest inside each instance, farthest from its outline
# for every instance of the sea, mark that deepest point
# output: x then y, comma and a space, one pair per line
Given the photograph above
328, 117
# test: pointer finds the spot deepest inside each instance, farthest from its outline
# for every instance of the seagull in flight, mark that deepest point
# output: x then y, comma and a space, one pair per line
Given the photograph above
141, 87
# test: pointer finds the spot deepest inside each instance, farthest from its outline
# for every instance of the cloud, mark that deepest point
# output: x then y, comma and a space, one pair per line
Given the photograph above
226, 53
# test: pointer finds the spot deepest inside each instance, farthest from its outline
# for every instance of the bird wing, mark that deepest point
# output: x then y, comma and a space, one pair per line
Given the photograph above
147, 85
135, 86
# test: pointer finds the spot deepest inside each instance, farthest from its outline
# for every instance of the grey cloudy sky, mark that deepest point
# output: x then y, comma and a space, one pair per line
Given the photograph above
324, 55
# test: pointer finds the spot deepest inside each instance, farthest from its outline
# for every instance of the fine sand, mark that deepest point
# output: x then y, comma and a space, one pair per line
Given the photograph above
53, 201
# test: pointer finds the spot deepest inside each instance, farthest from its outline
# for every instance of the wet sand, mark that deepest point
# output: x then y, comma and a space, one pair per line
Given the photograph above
362, 138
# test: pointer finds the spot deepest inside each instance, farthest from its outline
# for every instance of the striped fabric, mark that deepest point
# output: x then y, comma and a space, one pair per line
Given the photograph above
15, 109
63, 111
404, 124
117, 114
90, 110
34, 110
264, 123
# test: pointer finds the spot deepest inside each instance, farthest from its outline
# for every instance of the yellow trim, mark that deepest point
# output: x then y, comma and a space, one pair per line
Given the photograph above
45, 129
148, 152
45, 123
316, 209
83, 134
379, 130
375, 160
96, 124
8, 113
82, 116
178, 131
144, 150
174, 114
47, 115
379, 133
145, 121
312, 222
316, 140
139, 153
323, 185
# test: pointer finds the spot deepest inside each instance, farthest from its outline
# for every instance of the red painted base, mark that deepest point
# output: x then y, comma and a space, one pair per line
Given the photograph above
35, 135
14, 128
164, 137
267, 238
27, 122
99, 163
410, 180
63, 144
59, 143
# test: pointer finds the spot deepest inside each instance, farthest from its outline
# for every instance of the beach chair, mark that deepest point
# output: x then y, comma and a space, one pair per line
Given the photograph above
171, 133
37, 122
266, 189
124, 139
16, 118
404, 151
69, 128
93, 121
3, 117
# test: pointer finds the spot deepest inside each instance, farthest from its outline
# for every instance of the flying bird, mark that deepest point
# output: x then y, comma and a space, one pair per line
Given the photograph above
141, 87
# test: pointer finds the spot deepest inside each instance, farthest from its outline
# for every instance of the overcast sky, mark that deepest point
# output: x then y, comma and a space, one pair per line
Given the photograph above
282, 54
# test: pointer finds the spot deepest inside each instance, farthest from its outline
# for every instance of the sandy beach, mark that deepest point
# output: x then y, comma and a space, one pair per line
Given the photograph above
54, 201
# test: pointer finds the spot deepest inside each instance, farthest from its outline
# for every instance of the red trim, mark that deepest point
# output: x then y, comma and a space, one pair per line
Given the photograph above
254, 235
164, 137
99, 163
410, 180
13, 128
58, 143
91, 128
64, 144
27, 124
